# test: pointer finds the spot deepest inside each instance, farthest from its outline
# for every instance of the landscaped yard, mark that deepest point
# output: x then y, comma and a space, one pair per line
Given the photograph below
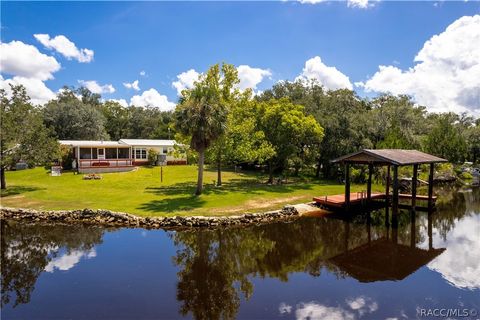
140, 192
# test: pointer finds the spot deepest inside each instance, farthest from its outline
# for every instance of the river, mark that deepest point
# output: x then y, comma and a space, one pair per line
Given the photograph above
314, 268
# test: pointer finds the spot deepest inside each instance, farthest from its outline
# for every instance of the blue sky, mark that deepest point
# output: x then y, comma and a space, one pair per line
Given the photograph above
165, 39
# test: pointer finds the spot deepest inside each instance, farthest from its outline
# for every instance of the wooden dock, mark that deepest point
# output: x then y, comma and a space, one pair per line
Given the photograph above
338, 200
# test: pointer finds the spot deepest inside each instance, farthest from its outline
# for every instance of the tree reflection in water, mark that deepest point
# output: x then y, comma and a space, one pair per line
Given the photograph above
27, 249
216, 266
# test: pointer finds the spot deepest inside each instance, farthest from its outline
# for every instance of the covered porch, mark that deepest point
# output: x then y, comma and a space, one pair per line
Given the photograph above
103, 158
100, 156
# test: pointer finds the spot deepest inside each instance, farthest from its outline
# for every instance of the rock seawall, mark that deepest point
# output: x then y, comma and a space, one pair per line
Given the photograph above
120, 219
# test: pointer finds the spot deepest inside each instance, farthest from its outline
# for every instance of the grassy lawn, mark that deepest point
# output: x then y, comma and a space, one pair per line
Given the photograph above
140, 192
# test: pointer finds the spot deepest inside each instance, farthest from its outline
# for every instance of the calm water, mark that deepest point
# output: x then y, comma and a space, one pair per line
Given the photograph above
322, 268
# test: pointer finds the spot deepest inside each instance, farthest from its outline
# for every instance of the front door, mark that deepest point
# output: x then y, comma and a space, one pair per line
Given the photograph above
101, 153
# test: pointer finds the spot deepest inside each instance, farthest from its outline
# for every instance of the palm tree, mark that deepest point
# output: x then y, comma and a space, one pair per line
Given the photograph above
201, 116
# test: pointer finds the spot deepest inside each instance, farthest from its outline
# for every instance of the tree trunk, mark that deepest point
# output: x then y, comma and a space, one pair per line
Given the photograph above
317, 171
201, 160
270, 172
2, 178
219, 170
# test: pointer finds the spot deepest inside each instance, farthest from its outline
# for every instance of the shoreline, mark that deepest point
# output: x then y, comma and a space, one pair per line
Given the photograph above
109, 218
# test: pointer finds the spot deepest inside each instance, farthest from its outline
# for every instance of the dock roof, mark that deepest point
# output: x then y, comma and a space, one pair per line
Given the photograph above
389, 156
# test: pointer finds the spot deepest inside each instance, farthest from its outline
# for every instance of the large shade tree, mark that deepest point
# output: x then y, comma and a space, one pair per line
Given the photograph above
201, 116
75, 115
23, 135
289, 131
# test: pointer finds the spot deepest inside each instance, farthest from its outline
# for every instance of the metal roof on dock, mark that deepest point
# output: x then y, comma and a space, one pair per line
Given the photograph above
390, 156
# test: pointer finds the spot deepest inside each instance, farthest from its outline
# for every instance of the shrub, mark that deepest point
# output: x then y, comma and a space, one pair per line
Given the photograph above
358, 175
152, 156
66, 154
466, 175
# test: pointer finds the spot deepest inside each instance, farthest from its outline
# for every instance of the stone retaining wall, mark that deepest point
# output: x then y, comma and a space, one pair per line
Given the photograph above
120, 219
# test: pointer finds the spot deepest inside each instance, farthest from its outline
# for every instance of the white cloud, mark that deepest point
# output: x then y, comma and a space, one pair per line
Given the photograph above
362, 305
317, 311
362, 4
94, 87
36, 88
24, 60
143, 73
151, 98
329, 77
122, 102
69, 260
251, 77
459, 263
185, 80
133, 85
284, 308
65, 47
355, 308
446, 76
311, 1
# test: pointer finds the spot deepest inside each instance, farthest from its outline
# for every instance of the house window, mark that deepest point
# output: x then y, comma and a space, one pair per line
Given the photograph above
111, 153
141, 153
123, 153
165, 150
85, 153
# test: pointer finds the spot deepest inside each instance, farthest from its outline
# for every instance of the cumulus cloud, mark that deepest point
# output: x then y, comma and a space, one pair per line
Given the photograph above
446, 76
311, 1
362, 4
355, 308
284, 308
251, 77
24, 60
36, 88
94, 87
462, 241
185, 80
143, 73
122, 102
69, 260
362, 304
65, 47
29, 67
133, 85
317, 311
329, 77
152, 98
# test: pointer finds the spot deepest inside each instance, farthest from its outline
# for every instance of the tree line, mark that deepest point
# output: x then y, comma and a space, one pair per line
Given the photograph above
292, 128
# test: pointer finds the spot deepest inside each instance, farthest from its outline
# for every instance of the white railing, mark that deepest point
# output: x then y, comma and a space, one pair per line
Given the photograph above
105, 163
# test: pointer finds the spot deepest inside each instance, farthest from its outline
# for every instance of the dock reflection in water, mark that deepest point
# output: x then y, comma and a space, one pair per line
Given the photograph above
323, 267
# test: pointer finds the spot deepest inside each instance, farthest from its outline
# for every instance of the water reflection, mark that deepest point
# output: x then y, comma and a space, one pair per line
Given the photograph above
28, 249
218, 273
384, 258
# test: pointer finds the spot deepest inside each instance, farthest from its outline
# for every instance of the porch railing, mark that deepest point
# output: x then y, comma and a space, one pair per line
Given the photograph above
105, 163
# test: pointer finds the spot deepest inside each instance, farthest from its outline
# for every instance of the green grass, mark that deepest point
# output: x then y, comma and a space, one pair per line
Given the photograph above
140, 192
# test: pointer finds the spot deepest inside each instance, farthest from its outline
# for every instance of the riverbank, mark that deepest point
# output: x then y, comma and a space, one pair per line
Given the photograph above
141, 192
119, 219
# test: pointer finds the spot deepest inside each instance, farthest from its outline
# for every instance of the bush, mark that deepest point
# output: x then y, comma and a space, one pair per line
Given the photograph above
66, 154
358, 175
466, 175
152, 156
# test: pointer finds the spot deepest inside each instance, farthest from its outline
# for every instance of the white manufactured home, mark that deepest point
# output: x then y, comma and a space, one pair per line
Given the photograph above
122, 155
